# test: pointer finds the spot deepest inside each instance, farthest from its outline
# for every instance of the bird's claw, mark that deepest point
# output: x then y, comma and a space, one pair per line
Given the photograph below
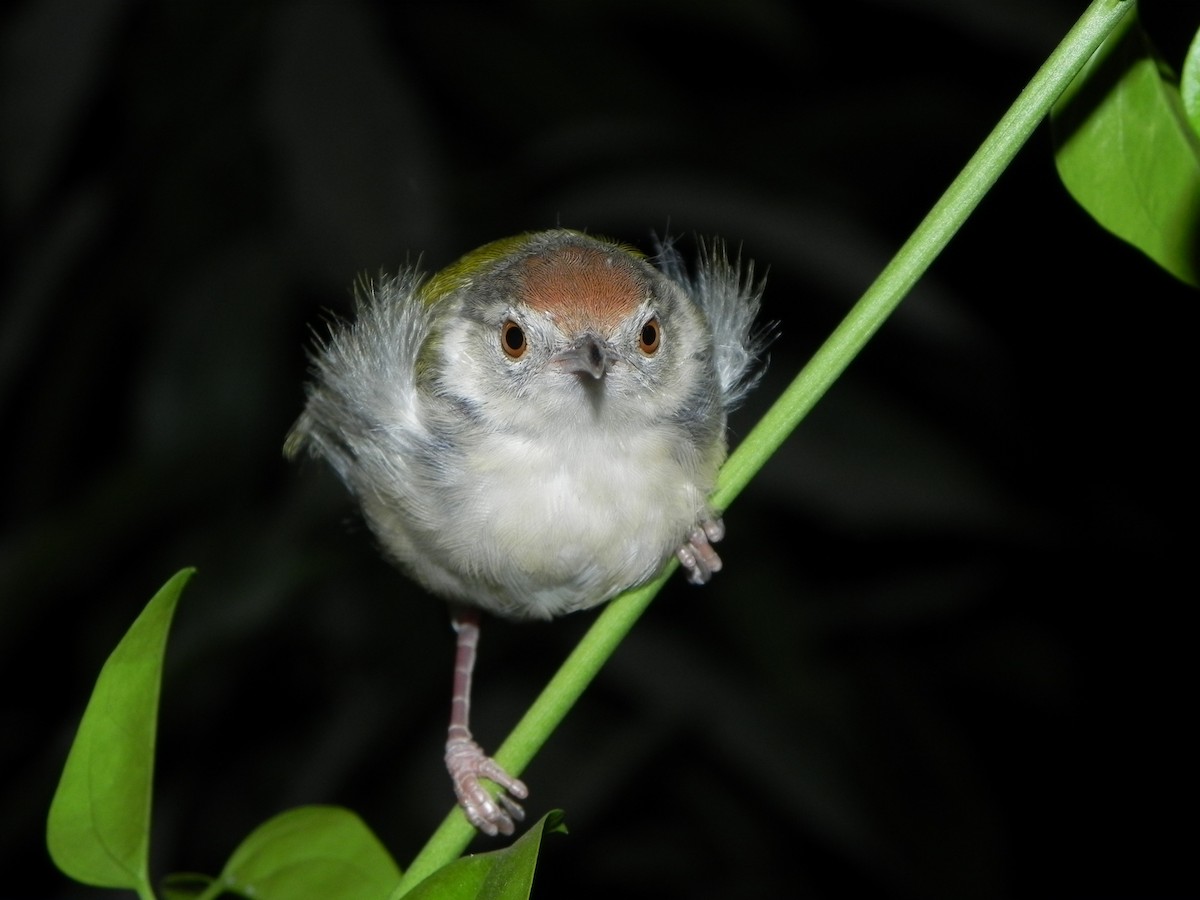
467, 763
697, 556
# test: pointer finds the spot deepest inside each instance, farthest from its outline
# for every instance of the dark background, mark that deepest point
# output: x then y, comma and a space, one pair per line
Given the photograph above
950, 655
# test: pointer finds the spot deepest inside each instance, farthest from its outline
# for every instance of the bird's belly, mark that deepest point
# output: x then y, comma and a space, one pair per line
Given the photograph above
548, 533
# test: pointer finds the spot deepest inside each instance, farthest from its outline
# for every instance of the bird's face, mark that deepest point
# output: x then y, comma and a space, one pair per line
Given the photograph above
576, 331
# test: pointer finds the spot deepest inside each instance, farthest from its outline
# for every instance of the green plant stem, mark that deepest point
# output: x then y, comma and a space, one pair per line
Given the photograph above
1031, 107
863, 320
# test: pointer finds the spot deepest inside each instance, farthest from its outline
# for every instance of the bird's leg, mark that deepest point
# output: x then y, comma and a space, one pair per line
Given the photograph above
465, 760
697, 556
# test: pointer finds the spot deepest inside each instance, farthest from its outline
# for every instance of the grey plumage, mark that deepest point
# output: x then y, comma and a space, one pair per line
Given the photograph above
415, 407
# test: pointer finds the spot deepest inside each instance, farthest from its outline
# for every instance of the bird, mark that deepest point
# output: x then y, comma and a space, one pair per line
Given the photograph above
533, 430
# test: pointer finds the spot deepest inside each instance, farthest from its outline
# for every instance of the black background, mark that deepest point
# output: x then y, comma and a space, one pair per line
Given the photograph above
950, 654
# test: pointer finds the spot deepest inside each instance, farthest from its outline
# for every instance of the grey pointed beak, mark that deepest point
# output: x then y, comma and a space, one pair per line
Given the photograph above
589, 355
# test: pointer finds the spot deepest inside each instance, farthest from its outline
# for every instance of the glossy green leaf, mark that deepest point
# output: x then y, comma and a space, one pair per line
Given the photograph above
1189, 84
1127, 153
310, 852
99, 826
498, 875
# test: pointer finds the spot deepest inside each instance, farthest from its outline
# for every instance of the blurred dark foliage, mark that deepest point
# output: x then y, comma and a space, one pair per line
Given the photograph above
948, 656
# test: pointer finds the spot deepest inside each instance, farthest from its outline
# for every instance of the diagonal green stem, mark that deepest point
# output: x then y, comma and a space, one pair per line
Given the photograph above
863, 320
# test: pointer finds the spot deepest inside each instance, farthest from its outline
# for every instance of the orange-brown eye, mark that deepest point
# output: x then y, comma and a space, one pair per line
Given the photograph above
650, 337
512, 339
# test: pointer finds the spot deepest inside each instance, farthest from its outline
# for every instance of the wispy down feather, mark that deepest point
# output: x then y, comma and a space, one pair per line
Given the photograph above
730, 297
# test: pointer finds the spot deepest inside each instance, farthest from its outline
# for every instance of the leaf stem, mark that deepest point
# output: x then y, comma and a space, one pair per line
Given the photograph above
923, 246
863, 320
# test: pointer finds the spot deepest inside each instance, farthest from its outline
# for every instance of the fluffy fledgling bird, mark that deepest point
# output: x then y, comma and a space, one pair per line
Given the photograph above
533, 430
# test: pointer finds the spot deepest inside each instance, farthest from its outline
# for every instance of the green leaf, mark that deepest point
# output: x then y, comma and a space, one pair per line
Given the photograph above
99, 825
310, 852
1189, 83
499, 875
1128, 155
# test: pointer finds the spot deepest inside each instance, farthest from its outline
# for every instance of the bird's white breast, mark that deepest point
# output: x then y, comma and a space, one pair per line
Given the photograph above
565, 524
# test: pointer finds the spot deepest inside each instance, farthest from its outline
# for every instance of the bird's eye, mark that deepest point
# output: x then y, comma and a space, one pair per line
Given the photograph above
650, 337
512, 339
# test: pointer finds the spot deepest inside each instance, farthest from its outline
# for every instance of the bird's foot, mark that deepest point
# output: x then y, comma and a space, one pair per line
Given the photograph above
697, 556
467, 763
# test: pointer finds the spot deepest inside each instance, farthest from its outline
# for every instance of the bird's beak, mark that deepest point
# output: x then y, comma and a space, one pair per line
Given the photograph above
588, 355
